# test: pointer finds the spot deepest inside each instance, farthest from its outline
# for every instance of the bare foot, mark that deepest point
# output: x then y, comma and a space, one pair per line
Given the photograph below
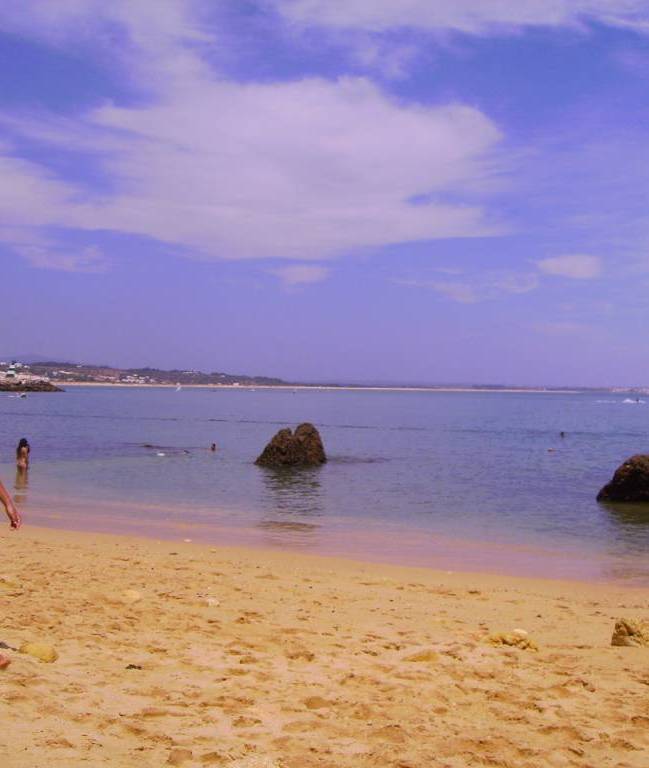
5, 661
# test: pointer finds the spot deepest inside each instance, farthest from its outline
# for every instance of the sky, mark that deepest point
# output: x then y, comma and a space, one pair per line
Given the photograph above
417, 191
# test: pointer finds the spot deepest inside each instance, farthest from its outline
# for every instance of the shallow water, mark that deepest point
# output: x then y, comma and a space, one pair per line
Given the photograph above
423, 477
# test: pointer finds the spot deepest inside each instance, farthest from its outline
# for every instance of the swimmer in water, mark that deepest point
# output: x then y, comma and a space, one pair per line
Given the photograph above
213, 447
562, 434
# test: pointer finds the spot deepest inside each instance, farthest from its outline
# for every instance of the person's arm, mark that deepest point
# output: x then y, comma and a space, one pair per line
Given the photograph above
10, 507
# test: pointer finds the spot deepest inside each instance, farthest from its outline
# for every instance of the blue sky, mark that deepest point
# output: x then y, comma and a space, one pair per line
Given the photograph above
449, 191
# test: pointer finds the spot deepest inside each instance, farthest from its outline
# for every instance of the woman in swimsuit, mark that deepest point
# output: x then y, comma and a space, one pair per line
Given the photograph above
22, 455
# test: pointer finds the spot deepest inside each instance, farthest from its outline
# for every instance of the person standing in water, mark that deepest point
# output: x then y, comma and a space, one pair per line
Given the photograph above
22, 469
22, 455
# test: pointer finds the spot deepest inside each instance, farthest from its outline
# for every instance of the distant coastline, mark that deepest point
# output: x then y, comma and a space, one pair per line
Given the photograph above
49, 375
329, 387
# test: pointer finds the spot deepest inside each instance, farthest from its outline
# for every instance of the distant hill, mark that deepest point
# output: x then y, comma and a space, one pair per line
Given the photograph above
63, 371
25, 358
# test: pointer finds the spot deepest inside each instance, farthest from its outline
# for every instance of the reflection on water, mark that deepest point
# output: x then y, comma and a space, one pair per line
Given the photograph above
628, 525
295, 496
21, 483
294, 491
628, 514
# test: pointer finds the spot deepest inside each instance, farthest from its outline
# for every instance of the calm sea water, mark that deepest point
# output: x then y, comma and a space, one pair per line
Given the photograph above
473, 480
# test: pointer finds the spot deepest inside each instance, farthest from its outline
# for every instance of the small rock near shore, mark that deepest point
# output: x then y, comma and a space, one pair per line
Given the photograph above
631, 632
302, 448
29, 386
630, 481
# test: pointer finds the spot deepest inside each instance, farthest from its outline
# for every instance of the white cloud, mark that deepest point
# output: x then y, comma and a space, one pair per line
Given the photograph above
300, 274
88, 260
480, 288
306, 169
579, 266
470, 16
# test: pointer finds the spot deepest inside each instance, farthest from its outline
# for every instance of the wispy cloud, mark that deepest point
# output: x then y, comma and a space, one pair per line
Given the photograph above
477, 288
568, 329
469, 16
300, 274
87, 260
579, 266
390, 60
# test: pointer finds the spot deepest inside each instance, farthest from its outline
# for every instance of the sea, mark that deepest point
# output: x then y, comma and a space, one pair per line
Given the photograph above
466, 481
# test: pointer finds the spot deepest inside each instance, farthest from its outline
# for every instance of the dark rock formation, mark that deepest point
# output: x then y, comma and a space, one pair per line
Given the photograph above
630, 481
302, 448
28, 386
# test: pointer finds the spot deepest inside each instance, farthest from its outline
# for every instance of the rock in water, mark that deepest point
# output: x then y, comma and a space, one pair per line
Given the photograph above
631, 632
302, 448
28, 386
40, 651
630, 481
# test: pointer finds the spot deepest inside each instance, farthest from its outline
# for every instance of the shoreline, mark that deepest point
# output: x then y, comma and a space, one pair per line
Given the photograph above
329, 388
391, 544
177, 536
175, 653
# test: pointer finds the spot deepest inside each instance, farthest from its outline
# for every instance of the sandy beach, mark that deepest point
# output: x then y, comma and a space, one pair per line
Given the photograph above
172, 653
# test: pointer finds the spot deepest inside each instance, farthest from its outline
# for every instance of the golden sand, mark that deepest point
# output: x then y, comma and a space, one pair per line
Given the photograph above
178, 654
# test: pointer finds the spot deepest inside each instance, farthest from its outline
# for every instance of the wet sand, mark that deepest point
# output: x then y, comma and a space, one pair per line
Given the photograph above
376, 541
175, 653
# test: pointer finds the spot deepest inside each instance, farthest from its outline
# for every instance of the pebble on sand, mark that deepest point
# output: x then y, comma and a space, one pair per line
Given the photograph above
420, 656
516, 639
179, 756
316, 702
41, 651
631, 632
